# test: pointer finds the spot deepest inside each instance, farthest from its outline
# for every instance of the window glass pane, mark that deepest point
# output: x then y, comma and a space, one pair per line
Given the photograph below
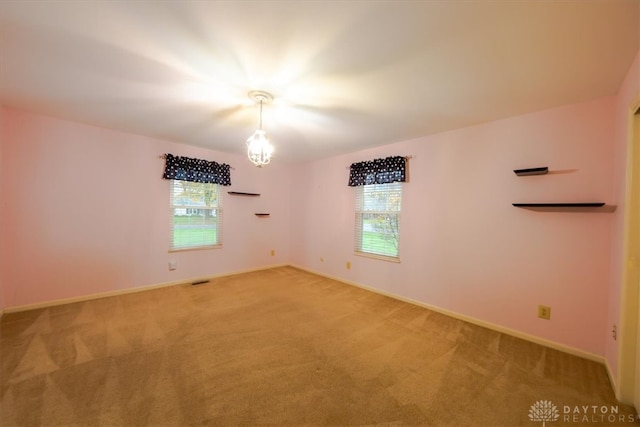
380, 234
378, 218
196, 215
382, 197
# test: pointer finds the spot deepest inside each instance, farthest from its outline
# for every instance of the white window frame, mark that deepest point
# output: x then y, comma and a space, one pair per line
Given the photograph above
383, 241
195, 222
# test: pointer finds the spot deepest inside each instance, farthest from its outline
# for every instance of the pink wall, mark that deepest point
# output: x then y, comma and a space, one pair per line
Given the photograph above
2, 230
463, 246
86, 212
628, 93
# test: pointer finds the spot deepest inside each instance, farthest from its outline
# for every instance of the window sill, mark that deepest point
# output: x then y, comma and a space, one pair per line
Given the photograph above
195, 248
376, 256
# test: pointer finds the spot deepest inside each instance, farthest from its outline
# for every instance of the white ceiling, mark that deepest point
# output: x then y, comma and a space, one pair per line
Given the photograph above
346, 75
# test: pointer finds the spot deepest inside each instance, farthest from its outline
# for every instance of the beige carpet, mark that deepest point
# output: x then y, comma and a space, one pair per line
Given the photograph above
281, 347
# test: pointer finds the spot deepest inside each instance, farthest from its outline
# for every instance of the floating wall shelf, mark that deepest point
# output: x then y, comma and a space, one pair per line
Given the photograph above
532, 171
262, 214
567, 207
559, 205
240, 193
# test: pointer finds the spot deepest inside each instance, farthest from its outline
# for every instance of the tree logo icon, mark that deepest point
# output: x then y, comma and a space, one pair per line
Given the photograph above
543, 410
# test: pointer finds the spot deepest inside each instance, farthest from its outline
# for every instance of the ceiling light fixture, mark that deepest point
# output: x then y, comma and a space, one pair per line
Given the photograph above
259, 148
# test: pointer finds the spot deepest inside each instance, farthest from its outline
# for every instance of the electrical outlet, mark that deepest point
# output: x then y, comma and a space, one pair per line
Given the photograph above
544, 312
273, 252
173, 265
348, 265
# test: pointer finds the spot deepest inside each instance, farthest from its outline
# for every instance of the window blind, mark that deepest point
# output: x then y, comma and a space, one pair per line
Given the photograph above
196, 215
377, 228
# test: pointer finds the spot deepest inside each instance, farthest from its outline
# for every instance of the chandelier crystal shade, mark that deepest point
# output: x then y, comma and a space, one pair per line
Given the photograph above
259, 148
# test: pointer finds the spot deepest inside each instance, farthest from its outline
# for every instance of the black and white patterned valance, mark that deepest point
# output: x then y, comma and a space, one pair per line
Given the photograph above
196, 170
378, 171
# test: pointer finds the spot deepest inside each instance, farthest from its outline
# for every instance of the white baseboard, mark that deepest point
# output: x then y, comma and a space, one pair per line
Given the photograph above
612, 380
62, 301
508, 331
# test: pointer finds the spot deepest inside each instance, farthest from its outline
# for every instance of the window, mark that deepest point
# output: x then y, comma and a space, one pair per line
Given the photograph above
378, 219
196, 212
195, 201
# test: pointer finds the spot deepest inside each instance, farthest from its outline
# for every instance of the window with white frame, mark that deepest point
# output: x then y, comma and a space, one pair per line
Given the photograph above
378, 185
377, 229
196, 215
195, 206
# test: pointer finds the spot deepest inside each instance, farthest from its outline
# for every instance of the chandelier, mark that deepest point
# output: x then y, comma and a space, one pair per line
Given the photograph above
259, 148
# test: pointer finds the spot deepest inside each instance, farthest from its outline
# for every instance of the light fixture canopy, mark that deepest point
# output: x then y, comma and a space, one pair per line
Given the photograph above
259, 149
